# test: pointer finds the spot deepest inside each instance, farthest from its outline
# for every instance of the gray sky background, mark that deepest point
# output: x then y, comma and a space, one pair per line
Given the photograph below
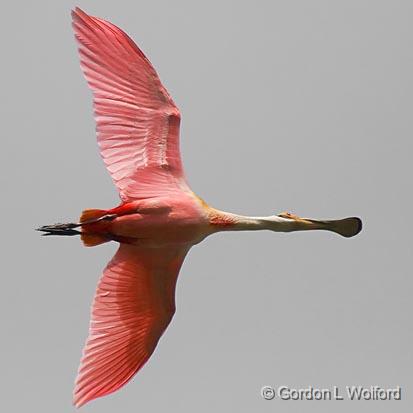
303, 106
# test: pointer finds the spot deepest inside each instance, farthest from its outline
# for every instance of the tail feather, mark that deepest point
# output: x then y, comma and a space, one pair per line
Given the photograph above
92, 214
93, 223
91, 240
94, 229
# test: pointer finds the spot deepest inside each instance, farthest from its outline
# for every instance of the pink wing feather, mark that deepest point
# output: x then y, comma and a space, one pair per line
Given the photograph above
133, 305
137, 121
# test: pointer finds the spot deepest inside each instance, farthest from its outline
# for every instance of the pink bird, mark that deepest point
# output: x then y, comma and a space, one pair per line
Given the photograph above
159, 218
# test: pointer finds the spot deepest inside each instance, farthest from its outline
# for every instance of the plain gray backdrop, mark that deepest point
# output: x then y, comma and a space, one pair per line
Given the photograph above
304, 106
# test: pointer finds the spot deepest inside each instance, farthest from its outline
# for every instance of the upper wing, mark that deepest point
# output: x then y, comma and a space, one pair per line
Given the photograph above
133, 305
137, 121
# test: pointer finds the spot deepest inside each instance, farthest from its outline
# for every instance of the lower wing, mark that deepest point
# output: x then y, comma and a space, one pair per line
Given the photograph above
133, 305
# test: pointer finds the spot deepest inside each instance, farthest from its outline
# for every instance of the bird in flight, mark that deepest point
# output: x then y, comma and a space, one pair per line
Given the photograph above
159, 218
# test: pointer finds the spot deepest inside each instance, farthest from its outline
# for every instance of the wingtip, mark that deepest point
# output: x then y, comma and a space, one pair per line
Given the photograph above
80, 399
78, 14
82, 396
78, 403
74, 12
77, 11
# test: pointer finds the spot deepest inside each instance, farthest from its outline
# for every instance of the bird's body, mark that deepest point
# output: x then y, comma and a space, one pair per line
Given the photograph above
159, 218
157, 222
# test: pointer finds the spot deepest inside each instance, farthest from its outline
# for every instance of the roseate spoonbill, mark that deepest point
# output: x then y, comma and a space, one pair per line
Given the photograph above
159, 217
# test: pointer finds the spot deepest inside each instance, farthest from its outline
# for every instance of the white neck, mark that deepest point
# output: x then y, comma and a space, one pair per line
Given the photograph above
225, 221
272, 223
246, 223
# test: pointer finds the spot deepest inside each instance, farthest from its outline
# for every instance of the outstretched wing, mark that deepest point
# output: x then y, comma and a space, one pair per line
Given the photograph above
133, 305
137, 121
